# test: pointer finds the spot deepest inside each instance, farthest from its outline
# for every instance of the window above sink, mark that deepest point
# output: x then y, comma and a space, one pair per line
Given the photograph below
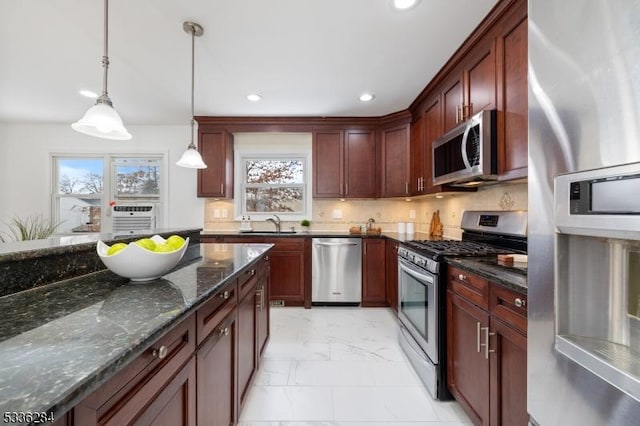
272, 175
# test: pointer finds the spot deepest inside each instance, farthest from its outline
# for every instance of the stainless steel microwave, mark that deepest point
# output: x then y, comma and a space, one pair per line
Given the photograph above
467, 154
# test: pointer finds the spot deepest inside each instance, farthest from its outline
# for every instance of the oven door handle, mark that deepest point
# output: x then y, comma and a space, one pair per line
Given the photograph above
415, 274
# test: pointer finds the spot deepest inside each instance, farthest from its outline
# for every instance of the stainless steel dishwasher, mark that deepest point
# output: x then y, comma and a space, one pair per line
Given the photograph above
336, 271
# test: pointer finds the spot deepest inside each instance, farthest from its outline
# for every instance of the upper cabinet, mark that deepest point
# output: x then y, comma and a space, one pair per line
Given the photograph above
488, 72
345, 164
397, 151
216, 148
512, 94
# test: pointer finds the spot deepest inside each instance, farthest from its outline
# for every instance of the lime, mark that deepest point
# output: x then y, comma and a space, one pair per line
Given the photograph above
146, 243
175, 241
115, 248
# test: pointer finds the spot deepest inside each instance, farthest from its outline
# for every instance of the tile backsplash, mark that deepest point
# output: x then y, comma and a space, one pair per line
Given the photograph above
336, 215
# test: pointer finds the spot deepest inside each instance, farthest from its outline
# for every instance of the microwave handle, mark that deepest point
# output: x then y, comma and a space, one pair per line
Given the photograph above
465, 136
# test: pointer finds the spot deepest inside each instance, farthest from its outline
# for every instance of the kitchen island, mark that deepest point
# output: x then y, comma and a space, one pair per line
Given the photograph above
63, 342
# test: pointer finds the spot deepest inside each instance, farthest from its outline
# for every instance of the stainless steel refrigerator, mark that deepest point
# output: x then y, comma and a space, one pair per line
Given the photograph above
584, 220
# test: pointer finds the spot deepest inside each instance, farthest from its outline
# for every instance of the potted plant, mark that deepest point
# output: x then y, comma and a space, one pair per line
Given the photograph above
305, 224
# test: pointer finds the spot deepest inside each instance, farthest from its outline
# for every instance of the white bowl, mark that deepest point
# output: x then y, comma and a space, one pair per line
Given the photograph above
140, 264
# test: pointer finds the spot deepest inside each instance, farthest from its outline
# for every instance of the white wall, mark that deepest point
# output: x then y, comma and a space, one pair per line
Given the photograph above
25, 166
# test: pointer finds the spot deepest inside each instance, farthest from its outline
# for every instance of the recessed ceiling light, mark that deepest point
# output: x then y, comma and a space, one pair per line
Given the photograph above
366, 97
254, 97
405, 4
88, 94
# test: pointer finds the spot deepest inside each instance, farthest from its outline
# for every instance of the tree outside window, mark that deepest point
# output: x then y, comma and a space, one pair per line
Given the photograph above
273, 186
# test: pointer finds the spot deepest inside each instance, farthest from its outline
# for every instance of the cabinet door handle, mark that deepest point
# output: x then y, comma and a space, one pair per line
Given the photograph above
223, 331
266, 258
346, 189
478, 344
260, 298
225, 295
406, 187
462, 277
458, 110
520, 303
487, 351
251, 272
160, 352
222, 188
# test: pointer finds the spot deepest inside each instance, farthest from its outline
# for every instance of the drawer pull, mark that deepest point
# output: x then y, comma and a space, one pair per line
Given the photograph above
462, 277
251, 272
225, 295
520, 303
160, 352
266, 258
223, 331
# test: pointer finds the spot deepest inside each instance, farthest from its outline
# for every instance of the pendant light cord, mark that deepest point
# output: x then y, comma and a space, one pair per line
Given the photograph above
193, 66
105, 58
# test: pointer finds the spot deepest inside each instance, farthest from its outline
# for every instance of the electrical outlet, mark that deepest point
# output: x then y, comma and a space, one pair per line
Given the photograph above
225, 213
412, 214
337, 214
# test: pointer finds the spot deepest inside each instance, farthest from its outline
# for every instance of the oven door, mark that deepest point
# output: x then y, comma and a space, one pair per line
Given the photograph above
418, 306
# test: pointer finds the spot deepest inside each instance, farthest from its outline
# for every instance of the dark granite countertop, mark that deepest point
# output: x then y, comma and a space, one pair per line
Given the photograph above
60, 341
514, 278
20, 250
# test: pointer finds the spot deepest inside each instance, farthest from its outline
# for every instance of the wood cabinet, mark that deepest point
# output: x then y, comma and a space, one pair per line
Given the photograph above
391, 273
199, 372
373, 272
512, 95
262, 304
157, 388
290, 268
418, 161
345, 164
247, 336
216, 148
396, 162
480, 79
486, 349
216, 374
452, 98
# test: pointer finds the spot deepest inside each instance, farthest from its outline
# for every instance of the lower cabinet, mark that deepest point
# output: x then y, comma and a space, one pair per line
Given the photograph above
290, 272
216, 367
262, 304
374, 291
197, 373
247, 335
487, 349
391, 273
157, 388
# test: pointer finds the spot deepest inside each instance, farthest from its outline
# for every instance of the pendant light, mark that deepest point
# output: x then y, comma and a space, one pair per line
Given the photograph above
101, 120
191, 157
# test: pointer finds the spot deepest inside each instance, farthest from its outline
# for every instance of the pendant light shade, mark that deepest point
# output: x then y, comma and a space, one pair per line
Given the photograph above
191, 158
101, 120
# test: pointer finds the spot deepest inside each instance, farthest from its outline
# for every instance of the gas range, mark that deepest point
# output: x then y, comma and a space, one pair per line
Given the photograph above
485, 233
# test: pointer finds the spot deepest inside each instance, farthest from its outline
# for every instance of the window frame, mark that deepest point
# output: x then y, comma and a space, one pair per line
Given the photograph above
109, 186
284, 152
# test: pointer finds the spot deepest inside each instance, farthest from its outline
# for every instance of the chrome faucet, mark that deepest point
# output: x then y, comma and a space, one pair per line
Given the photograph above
275, 221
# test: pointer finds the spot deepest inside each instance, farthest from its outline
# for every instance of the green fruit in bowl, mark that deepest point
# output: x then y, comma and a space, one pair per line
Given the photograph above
146, 243
164, 248
116, 248
175, 241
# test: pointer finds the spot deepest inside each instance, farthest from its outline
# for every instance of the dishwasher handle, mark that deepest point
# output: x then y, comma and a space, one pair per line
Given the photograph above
335, 244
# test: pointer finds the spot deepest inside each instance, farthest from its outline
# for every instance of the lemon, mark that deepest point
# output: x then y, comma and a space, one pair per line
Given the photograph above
115, 248
163, 248
146, 243
175, 241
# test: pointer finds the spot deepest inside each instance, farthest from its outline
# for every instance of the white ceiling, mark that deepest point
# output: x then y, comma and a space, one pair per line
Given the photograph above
305, 57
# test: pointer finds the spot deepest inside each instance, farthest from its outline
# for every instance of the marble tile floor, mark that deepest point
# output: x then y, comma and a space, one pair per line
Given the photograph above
335, 366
